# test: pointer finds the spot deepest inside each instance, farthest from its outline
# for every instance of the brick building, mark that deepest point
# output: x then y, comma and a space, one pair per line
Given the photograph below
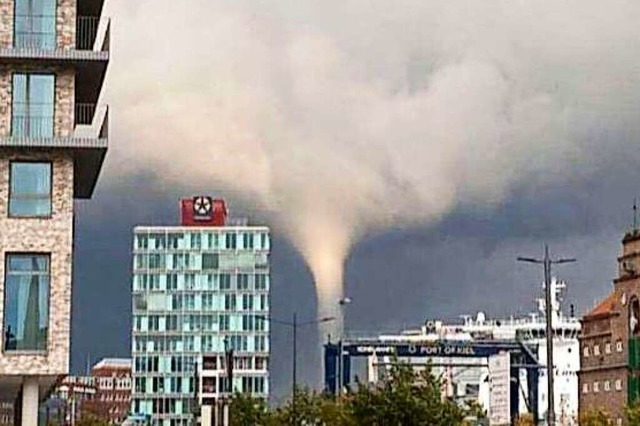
610, 341
53, 139
112, 381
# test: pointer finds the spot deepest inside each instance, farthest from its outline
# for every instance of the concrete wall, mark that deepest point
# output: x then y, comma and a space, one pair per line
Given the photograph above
49, 235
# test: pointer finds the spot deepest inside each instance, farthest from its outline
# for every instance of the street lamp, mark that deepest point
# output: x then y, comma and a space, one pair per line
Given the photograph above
343, 307
294, 373
547, 262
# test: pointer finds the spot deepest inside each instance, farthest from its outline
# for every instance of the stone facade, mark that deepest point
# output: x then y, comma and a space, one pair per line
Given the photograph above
46, 235
6, 23
605, 339
66, 24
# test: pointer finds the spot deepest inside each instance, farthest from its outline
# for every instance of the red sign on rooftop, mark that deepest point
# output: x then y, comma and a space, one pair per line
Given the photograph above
203, 211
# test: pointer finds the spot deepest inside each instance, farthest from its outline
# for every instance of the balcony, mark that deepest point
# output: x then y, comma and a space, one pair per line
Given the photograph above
35, 42
87, 143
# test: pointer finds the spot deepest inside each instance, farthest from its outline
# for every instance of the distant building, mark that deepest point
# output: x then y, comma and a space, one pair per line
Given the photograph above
67, 403
6, 414
198, 289
105, 395
610, 341
112, 381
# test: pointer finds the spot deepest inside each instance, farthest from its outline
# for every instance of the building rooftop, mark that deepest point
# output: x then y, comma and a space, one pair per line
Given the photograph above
113, 363
605, 307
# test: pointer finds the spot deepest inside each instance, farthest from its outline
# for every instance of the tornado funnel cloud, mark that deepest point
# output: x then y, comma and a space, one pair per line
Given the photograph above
334, 131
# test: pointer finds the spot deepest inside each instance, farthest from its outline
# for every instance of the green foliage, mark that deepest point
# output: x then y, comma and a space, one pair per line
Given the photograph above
248, 411
89, 420
595, 418
632, 413
404, 398
524, 420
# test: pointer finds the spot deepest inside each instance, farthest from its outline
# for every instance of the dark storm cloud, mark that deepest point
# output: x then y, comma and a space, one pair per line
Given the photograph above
454, 135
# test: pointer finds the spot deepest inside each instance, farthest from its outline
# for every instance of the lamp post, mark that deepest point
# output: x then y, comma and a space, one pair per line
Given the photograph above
343, 307
294, 324
547, 262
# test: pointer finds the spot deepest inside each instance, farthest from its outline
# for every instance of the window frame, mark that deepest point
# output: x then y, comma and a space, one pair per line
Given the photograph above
10, 192
55, 27
53, 111
19, 352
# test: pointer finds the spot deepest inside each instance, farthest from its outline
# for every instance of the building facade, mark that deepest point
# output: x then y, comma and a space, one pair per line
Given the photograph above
609, 343
199, 290
66, 404
53, 139
113, 384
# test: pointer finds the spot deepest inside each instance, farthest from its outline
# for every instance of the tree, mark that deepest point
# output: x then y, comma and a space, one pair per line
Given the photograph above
90, 420
632, 413
249, 411
404, 398
524, 420
595, 418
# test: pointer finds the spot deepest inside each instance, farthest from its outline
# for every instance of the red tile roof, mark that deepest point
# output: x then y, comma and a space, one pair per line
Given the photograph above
605, 307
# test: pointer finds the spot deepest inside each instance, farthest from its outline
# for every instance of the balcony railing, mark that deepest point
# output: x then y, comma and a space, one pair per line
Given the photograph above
38, 32
86, 32
42, 125
84, 114
30, 126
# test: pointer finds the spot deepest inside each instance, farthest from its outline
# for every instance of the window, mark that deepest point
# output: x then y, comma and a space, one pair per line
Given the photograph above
35, 24
260, 281
607, 386
607, 348
618, 384
619, 346
210, 260
26, 304
596, 387
33, 100
243, 281
586, 352
230, 240
30, 190
596, 350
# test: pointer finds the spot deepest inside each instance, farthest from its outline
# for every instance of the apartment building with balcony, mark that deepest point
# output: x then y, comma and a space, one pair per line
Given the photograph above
200, 291
53, 140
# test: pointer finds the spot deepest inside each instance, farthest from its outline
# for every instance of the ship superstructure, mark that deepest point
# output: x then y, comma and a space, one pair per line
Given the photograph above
470, 379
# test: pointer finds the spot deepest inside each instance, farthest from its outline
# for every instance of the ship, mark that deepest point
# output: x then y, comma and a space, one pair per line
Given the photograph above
471, 380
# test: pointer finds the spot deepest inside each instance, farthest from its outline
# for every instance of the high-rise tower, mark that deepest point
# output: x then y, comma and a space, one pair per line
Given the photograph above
200, 313
53, 139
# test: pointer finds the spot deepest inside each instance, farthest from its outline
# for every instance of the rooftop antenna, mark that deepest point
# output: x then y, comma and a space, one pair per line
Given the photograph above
88, 364
635, 214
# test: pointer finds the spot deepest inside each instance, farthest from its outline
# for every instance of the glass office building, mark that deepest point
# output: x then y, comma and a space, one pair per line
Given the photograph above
197, 291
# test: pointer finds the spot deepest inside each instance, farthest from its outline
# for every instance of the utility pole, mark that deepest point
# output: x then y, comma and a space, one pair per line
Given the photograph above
294, 373
547, 262
343, 307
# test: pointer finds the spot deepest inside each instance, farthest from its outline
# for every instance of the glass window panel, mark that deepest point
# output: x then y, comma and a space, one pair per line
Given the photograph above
210, 260
35, 24
33, 105
30, 189
26, 319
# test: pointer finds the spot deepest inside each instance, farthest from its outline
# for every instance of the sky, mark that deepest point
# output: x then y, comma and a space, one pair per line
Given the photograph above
403, 153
